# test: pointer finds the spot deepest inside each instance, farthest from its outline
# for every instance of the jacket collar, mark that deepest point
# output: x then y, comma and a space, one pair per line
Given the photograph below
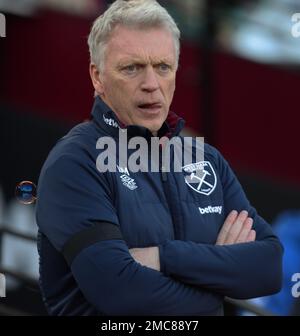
104, 117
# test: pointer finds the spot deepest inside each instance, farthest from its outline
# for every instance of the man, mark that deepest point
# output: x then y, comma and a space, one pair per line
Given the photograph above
144, 243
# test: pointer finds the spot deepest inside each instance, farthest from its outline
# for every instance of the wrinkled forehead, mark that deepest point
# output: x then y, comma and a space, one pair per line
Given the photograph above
146, 44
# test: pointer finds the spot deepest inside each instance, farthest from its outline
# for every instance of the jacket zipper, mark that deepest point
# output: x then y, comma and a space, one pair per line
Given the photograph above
162, 167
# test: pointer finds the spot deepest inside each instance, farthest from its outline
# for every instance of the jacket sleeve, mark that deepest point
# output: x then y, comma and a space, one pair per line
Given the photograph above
239, 271
73, 197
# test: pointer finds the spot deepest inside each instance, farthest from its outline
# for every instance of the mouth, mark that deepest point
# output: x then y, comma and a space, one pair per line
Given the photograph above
150, 108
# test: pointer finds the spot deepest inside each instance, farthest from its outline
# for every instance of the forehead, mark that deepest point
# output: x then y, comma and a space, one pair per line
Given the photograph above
152, 44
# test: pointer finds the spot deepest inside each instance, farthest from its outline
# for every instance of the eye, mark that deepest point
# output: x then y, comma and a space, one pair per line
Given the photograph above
164, 68
131, 68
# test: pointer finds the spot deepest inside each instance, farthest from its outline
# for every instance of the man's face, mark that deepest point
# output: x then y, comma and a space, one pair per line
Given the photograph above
138, 80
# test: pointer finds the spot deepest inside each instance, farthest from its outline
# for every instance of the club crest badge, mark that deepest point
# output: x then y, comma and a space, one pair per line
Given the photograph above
201, 177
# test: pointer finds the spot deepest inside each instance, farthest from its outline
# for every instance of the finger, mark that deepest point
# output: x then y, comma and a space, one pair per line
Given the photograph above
236, 228
135, 252
226, 227
242, 237
251, 236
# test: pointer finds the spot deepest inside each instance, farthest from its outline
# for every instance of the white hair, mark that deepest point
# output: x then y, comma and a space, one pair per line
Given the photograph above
130, 13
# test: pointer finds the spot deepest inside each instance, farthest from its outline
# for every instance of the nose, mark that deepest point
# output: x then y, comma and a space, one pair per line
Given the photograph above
150, 81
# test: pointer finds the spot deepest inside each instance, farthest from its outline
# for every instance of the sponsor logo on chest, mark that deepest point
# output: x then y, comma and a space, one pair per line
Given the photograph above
211, 210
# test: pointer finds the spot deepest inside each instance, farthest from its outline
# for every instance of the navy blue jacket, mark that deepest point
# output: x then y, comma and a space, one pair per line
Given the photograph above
89, 220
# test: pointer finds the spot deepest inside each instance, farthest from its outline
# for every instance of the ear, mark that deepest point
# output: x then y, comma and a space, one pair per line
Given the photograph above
96, 79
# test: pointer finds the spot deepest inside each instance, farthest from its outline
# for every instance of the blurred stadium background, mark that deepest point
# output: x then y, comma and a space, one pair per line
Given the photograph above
238, 85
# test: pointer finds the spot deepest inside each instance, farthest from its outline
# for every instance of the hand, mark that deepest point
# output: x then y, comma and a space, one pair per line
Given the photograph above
237, 228
147, 256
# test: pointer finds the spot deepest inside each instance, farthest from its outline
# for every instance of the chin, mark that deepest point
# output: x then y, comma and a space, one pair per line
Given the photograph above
154, 128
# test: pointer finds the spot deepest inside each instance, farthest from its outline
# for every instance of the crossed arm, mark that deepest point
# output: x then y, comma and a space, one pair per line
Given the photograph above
237, 228
236, 266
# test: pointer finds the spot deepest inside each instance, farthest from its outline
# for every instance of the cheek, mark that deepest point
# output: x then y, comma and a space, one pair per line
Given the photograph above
170, 91
114, 89
120, 86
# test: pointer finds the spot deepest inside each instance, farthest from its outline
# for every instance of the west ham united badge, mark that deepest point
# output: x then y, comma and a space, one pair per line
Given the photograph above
201, 177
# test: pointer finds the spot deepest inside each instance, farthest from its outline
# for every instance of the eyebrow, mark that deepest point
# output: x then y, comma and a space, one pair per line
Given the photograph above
126, 61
